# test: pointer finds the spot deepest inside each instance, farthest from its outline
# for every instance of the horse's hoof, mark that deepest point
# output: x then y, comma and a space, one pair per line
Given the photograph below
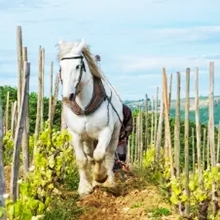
95, 184
100, 179
83, 195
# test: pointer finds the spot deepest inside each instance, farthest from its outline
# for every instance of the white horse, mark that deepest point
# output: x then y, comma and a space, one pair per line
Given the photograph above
93, 114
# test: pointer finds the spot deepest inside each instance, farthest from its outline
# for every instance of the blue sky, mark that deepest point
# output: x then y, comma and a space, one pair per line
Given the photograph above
135, 39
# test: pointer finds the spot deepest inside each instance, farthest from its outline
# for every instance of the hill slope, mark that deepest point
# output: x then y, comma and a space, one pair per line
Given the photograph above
203, 108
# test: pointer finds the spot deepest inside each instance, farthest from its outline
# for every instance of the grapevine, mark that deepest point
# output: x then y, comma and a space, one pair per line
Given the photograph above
44, 177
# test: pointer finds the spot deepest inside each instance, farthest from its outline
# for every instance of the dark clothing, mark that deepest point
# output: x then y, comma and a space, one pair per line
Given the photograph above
126, 130
127, 127
122, 151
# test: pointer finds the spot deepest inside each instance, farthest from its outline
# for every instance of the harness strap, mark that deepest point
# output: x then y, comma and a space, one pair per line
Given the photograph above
109, 100
99, 95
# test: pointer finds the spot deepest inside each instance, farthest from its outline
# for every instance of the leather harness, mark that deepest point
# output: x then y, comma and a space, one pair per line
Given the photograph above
99, 95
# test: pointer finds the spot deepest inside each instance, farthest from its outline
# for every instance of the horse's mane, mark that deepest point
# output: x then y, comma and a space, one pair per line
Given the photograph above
66, 47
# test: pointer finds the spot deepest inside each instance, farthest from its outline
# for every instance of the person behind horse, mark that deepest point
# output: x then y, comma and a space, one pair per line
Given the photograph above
126, 130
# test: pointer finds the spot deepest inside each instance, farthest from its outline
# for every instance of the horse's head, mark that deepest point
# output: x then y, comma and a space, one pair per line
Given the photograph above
72, 67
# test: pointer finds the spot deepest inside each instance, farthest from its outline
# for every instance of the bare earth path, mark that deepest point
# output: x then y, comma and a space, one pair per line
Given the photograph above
129, 201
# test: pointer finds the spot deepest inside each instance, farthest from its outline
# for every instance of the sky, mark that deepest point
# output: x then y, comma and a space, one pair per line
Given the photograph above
135, 40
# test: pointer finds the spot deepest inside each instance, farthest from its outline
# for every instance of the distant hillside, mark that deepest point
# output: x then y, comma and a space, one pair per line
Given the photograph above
203, 108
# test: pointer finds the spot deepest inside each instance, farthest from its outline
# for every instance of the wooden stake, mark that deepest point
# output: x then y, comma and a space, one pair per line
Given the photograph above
18, 137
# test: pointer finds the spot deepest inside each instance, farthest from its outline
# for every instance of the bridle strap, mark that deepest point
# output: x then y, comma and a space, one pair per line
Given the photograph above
71, 58
81, 69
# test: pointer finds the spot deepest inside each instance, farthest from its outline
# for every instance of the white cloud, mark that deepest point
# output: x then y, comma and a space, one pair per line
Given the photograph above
138, 76
139, 63
187, 34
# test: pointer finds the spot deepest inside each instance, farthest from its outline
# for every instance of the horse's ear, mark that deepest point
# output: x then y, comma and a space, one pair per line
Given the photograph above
82, 42
80, 46
60, 42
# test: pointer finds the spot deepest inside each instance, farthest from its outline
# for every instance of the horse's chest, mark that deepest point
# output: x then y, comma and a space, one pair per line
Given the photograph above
84, 125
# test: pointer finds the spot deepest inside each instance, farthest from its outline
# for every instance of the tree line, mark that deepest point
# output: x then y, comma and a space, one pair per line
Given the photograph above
32, 107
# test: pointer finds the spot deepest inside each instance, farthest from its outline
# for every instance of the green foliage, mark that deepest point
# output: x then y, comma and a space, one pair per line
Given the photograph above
12, 92
54, 160
149, 156
137, 205
160, 212
1, 212
203, 114
199, 192
64, 208
32, 107
192, 137
148, 170
8, 147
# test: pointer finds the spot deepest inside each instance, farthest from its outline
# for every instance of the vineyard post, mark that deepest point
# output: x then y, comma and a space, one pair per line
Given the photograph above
13, 118
51, 96
198, 128
138, 135
204, 147
193, 150
7, 112
218, 144
156, 115
128, 152
170, 89
146, 123
168, 147
55, 97
186, 138
25, 138
18, 136
177, 128
212, 135
208, 155
141, 138
211, 115
42, 90
136, 138
159, 129
39, 101
20, 63
2, 177
132, 143
152, 122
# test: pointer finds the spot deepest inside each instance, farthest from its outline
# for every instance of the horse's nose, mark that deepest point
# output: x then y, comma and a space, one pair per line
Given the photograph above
72, 96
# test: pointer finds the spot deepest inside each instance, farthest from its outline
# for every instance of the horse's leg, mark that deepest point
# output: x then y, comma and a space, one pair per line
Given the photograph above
100, 172
110, 157
85, 186
88, 149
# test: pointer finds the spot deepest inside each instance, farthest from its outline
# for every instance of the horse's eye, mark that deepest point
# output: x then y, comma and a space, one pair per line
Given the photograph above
77, 67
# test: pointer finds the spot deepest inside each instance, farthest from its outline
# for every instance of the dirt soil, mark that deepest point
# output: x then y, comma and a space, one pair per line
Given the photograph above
7, 178
125, 202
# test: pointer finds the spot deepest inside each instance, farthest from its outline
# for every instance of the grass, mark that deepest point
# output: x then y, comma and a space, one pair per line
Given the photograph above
137, 205
158, 212
64, 206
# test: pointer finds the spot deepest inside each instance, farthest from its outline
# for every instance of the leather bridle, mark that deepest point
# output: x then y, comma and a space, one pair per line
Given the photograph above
82, 68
